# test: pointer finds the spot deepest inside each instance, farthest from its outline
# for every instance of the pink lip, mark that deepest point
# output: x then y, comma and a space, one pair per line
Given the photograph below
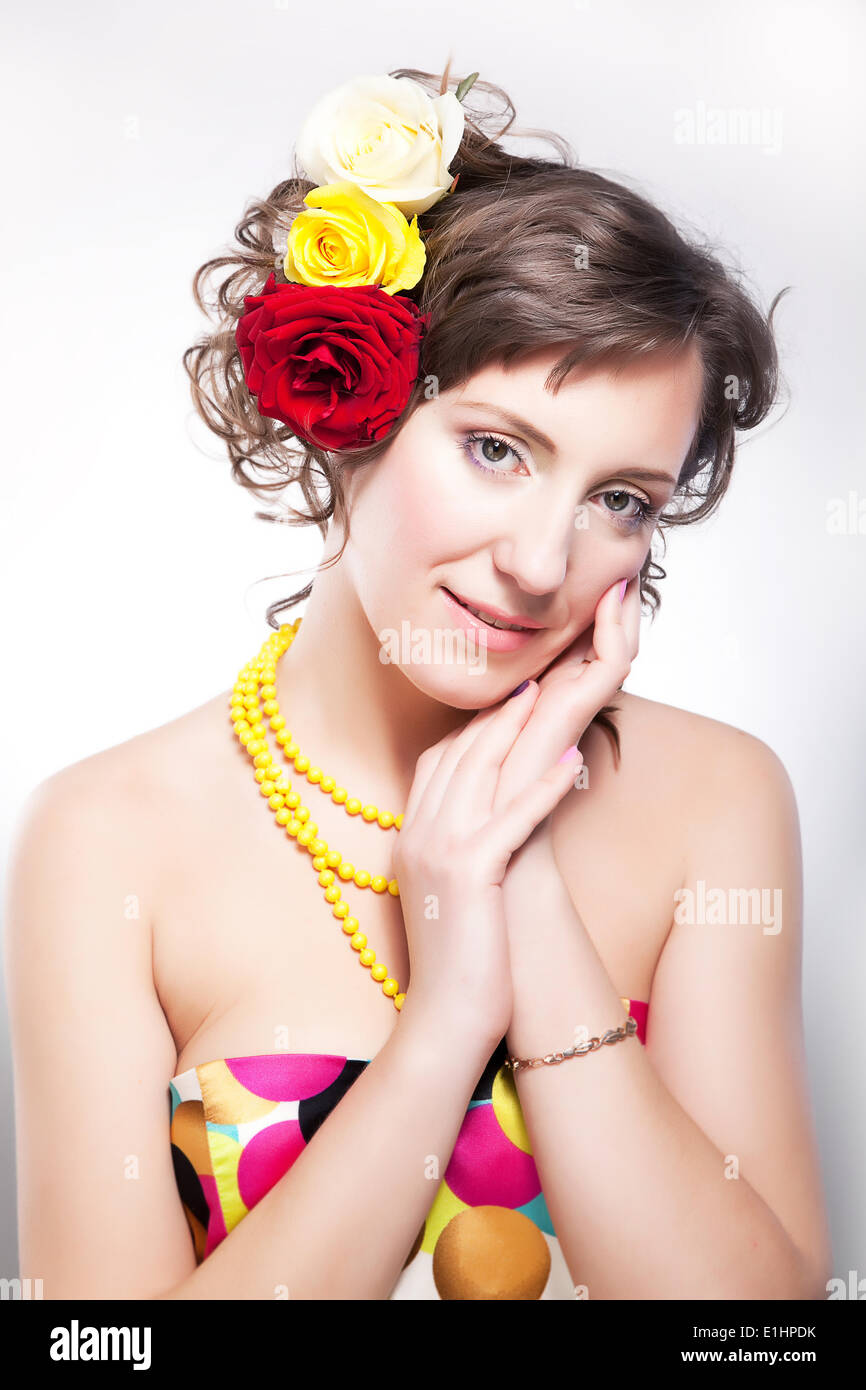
496, 639
497, 612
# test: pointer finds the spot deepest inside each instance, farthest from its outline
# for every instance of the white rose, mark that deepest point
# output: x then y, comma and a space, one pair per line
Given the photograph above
386, 135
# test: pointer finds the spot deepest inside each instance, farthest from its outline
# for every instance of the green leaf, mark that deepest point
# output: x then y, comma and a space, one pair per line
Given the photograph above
465, 85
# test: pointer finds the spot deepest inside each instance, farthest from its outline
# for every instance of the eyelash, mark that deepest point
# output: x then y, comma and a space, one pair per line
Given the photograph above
646, 513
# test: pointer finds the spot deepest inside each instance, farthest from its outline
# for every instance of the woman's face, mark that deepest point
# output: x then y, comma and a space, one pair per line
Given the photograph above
470, 503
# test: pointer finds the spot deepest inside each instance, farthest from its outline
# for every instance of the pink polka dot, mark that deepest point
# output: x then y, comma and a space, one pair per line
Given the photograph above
267, 1156
486, 1169
286, 1075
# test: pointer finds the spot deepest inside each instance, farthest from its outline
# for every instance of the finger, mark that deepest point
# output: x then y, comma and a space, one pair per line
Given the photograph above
475, 777
614, 635
498, 732
425, 767
631, 615
526, 810
565, 710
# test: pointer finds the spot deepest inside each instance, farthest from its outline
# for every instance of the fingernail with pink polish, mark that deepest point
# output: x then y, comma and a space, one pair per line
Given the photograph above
569, 755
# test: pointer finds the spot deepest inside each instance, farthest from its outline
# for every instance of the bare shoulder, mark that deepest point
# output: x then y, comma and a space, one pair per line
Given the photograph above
682, 781
706, 755
86, 1020
141, 776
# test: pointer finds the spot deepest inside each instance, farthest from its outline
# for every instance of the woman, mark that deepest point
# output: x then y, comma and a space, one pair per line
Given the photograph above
508, 374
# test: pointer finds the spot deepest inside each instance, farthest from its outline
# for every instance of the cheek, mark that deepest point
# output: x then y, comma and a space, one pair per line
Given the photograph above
417, 510
402, 520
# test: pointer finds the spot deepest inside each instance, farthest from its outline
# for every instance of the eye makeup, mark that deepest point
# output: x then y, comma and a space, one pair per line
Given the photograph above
644, 514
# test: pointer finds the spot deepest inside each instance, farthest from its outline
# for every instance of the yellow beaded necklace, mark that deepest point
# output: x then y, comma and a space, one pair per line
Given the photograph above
248, 718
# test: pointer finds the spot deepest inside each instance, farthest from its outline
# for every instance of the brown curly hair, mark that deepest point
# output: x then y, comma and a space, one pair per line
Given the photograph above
499, 283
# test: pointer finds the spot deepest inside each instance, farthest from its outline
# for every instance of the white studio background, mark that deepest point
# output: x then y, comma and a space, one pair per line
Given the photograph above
135, 134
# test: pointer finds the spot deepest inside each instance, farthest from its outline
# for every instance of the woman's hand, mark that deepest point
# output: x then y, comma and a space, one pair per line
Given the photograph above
573, 689
450, 859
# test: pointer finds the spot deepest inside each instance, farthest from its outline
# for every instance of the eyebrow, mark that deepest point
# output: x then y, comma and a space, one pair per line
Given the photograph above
521, 426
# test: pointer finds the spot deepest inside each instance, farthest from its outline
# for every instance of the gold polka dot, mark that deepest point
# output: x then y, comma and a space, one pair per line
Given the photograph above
226, 1101
189, 1133
491, 1252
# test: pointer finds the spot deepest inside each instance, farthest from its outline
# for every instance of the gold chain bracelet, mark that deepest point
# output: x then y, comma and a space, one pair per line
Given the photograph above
613, 1035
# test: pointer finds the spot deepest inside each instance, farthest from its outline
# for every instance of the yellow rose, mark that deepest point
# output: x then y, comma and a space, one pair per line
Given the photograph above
386, 136
348, 238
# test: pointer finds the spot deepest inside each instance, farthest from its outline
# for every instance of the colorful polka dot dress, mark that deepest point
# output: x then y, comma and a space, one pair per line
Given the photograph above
238, 1124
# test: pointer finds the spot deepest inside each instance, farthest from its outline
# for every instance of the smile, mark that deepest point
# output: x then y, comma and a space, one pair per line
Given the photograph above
489, 618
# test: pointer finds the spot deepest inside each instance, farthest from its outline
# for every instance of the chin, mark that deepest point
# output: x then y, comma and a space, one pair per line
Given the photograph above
458, 685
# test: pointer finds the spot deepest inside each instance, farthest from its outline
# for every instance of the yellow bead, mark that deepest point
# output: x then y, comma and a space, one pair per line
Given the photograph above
350, 925
278, 721
276, 801
319, 863
339, 795
327, 784
394, 888
369, 812
313, 828
379, 884
261, 775
294, 827
283, 784
293, 800
362, 878
346, 870
399, 1000
340, 909
302, 762
385, 819
304, 836
314, 775
379, 972
398, 820
367, 957
320, 846
358, 941
353, 806
291, 749
326, 877
282, 737
263, 759
267, 787
302, 813
333, 892
283, 816
390, 986
270, 707
268, 690
334, 857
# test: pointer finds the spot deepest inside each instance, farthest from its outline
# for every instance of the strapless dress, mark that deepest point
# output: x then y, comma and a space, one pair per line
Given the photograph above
239, 1123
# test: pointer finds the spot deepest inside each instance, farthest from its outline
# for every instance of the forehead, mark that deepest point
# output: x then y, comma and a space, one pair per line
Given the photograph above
653, 401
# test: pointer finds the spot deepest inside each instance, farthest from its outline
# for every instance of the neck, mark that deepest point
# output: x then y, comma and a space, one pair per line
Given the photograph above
360, 720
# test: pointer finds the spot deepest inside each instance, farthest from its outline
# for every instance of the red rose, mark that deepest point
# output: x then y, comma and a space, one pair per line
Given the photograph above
336, 364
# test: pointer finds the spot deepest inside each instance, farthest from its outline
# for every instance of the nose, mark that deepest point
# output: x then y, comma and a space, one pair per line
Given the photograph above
535, 548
